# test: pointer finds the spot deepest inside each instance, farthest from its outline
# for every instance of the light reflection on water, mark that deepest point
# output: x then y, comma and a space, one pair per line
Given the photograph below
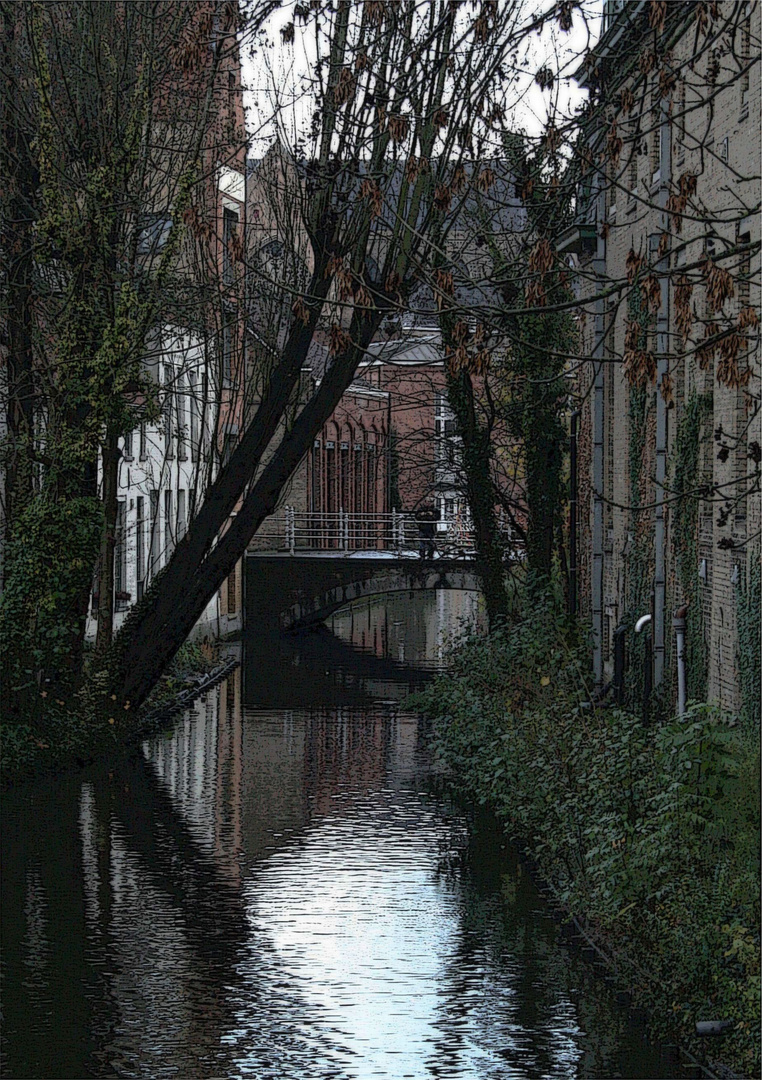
286, 894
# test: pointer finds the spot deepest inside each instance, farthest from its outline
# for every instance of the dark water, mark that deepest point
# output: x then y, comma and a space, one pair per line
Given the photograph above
280, 889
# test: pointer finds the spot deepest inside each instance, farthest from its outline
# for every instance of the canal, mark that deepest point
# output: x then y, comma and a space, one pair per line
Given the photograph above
281, 888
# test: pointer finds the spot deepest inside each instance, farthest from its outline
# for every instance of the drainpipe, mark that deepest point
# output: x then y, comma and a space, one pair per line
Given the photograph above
678, 623
642, 622
662, 348
596, 584
573, 514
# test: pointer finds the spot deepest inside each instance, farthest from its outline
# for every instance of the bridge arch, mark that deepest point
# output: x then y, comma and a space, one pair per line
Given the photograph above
317, 608
289, 593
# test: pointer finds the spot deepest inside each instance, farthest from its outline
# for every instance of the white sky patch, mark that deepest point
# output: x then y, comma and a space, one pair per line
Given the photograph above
277, 77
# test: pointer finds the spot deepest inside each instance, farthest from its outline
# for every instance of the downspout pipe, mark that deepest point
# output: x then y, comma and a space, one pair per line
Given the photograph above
678, 624
641, 624
662, 348
644, 620
597, 405
573, 513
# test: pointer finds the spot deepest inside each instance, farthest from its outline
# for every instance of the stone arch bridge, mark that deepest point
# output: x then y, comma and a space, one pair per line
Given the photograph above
288, 592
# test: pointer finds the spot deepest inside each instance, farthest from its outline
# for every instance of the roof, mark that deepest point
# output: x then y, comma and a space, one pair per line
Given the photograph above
405, 351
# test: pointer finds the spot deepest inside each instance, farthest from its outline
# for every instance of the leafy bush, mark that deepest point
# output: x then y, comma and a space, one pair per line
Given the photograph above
649, 834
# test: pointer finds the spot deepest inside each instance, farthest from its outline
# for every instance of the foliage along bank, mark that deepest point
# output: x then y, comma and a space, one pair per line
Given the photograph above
70, 733
650, 834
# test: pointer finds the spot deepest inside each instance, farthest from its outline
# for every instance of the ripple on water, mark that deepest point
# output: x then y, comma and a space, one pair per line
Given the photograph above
284, 894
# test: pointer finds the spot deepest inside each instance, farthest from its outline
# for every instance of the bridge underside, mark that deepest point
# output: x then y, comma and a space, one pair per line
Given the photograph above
288, 592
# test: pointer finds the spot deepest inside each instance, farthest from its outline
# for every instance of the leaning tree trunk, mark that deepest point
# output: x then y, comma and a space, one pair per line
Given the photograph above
156, 628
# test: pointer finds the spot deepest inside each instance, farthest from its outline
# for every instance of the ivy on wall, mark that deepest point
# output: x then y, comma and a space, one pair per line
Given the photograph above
639, 566
640, 553
685, 538
749, 620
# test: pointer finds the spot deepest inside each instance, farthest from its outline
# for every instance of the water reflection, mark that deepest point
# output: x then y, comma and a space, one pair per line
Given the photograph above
283, 893
376, 649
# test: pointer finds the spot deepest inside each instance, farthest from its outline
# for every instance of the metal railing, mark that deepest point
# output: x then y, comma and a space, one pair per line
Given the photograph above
297, 530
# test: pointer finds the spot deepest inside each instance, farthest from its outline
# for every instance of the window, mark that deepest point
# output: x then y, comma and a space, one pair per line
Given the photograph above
154, 233
127, 452
140, 551
655, 136
680, 125
709, 252
182, 519
121, 596
345, 504
745, 59
633, 176
155, 534
370, 477
232, 606
229, 232
229, 442
196, 408
358, 501
315, 496
168, 393
169, 524
142, 440
227, 354
724, 149
182, 446
330, 473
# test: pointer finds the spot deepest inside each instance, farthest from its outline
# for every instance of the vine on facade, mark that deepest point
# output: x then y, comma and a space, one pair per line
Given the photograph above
749, 615
685, 538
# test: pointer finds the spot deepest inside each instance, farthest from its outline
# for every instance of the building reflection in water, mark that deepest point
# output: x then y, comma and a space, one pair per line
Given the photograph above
412, 628
279, 893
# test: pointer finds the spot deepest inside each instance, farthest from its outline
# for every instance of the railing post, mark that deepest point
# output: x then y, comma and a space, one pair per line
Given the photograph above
346, 531
395, 537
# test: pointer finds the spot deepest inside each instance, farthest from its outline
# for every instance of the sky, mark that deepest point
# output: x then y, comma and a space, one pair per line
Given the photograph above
276, 72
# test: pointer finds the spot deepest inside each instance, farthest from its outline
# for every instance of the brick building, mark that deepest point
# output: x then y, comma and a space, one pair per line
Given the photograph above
670, 426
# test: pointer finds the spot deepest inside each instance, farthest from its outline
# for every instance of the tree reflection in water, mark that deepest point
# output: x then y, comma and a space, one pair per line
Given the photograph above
279, 891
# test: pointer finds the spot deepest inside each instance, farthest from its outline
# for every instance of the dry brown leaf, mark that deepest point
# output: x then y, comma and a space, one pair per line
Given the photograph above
633, 265
442, 197
339, 340
719, 284
657, 12
301, 313
398, 127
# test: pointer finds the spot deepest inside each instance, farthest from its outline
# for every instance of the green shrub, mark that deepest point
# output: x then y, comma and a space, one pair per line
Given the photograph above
650, 834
